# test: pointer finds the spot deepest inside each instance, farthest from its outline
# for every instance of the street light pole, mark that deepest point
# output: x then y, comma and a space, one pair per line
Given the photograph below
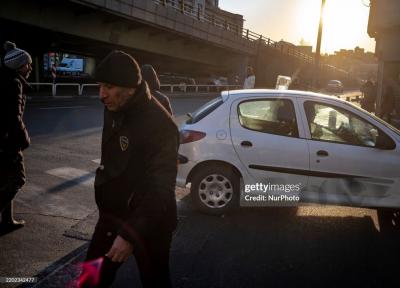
318, 50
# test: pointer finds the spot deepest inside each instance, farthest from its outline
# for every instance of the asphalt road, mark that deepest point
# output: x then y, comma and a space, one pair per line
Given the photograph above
309, 246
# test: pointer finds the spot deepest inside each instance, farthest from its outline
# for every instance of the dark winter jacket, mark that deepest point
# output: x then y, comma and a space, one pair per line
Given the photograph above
388, 102
135, 183
13, 134
150, 76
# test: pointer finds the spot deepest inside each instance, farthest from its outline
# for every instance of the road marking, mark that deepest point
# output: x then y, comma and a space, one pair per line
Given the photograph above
62, 107
74, 175
82, 177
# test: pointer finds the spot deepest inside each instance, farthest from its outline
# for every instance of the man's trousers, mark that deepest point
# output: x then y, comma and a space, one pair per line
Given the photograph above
152, 256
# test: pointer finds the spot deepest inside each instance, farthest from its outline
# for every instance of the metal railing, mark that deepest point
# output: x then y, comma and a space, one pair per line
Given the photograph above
186, 8
194, 12
56, 85
286, 49
173, 88
83, 86
37, 85
82, 89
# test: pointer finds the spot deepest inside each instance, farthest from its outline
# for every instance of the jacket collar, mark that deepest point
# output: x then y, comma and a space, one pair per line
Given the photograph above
133, 107
141, 97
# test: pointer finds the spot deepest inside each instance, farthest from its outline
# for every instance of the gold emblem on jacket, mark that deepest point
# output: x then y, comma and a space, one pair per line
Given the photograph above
123, 142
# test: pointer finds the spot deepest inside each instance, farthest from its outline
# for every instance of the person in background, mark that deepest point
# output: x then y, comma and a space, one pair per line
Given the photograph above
250, 80
388, 101
150, 76
15, 69
369, 91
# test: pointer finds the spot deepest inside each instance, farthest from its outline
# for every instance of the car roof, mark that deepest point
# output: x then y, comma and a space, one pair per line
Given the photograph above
235, 94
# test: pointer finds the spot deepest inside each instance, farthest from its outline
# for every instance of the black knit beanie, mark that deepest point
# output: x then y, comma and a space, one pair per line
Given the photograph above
119, 69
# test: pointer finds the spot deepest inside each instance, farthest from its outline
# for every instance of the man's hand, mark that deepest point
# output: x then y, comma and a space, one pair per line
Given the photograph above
120, 250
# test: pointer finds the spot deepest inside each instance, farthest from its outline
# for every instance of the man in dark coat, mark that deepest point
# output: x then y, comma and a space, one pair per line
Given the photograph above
14, 71
150, 76
135, 182
388, 100
369, 91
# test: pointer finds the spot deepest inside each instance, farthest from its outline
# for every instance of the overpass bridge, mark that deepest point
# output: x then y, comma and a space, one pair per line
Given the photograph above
174, 38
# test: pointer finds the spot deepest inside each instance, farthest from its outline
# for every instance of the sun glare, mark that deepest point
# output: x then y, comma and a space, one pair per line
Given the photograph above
345, 23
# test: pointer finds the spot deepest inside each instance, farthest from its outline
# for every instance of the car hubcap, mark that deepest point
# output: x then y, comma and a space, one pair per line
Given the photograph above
215, 191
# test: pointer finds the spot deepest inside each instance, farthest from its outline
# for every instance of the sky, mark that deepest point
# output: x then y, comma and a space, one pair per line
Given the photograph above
345, 21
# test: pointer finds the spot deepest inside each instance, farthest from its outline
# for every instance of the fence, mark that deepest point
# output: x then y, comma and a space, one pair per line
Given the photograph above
285, 48
60, 90
183, 88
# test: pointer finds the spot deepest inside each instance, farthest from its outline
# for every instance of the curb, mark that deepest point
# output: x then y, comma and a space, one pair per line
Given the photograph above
56, 266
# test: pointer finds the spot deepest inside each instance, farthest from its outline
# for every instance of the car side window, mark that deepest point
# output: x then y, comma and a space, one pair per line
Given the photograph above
333, 124
273, 116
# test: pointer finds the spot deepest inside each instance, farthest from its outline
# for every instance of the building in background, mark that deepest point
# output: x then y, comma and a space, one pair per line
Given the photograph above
384, 26
362, 65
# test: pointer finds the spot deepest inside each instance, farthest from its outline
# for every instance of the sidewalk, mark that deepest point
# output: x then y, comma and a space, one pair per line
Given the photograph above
65, 271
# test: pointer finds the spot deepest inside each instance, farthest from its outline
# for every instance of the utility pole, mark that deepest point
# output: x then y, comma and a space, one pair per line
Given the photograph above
318, 50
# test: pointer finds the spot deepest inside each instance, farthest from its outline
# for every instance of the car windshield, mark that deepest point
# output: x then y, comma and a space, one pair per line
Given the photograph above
204, 110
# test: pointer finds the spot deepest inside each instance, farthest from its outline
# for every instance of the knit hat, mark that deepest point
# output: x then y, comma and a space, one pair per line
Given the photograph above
120, 69
15, 58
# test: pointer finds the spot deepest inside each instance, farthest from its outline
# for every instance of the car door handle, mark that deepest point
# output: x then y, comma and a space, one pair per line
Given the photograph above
322, 153
246, 144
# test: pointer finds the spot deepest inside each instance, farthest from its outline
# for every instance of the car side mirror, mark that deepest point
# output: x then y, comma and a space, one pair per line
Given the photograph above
384, 142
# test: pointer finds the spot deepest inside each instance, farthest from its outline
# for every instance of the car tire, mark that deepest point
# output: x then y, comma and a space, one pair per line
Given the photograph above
215, 189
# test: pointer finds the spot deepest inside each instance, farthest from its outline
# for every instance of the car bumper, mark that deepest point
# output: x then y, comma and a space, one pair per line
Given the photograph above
183, 173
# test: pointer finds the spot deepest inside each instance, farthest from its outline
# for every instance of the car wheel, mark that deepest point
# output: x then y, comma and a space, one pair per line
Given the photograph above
215, 189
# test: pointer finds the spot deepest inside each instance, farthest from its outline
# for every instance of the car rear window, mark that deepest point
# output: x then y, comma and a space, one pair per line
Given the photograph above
205, 110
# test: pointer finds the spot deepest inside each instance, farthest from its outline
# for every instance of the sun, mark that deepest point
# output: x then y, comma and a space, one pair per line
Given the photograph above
345, 23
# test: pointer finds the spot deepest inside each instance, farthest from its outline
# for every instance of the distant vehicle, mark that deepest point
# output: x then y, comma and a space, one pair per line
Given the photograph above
219, 81
335, 86
283, 82
339, 153
70, 65
171, 79
176, 79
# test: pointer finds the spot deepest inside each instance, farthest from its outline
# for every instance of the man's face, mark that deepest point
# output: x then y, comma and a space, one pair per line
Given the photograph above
25, 70
114, 97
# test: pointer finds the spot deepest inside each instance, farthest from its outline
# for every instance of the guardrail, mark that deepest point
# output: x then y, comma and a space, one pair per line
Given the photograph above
183, 88
169, 88
78, 88
194, 12
37, 84
83, 86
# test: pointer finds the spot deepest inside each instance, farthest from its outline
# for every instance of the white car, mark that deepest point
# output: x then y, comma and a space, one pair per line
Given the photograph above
335, 86
331, 151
